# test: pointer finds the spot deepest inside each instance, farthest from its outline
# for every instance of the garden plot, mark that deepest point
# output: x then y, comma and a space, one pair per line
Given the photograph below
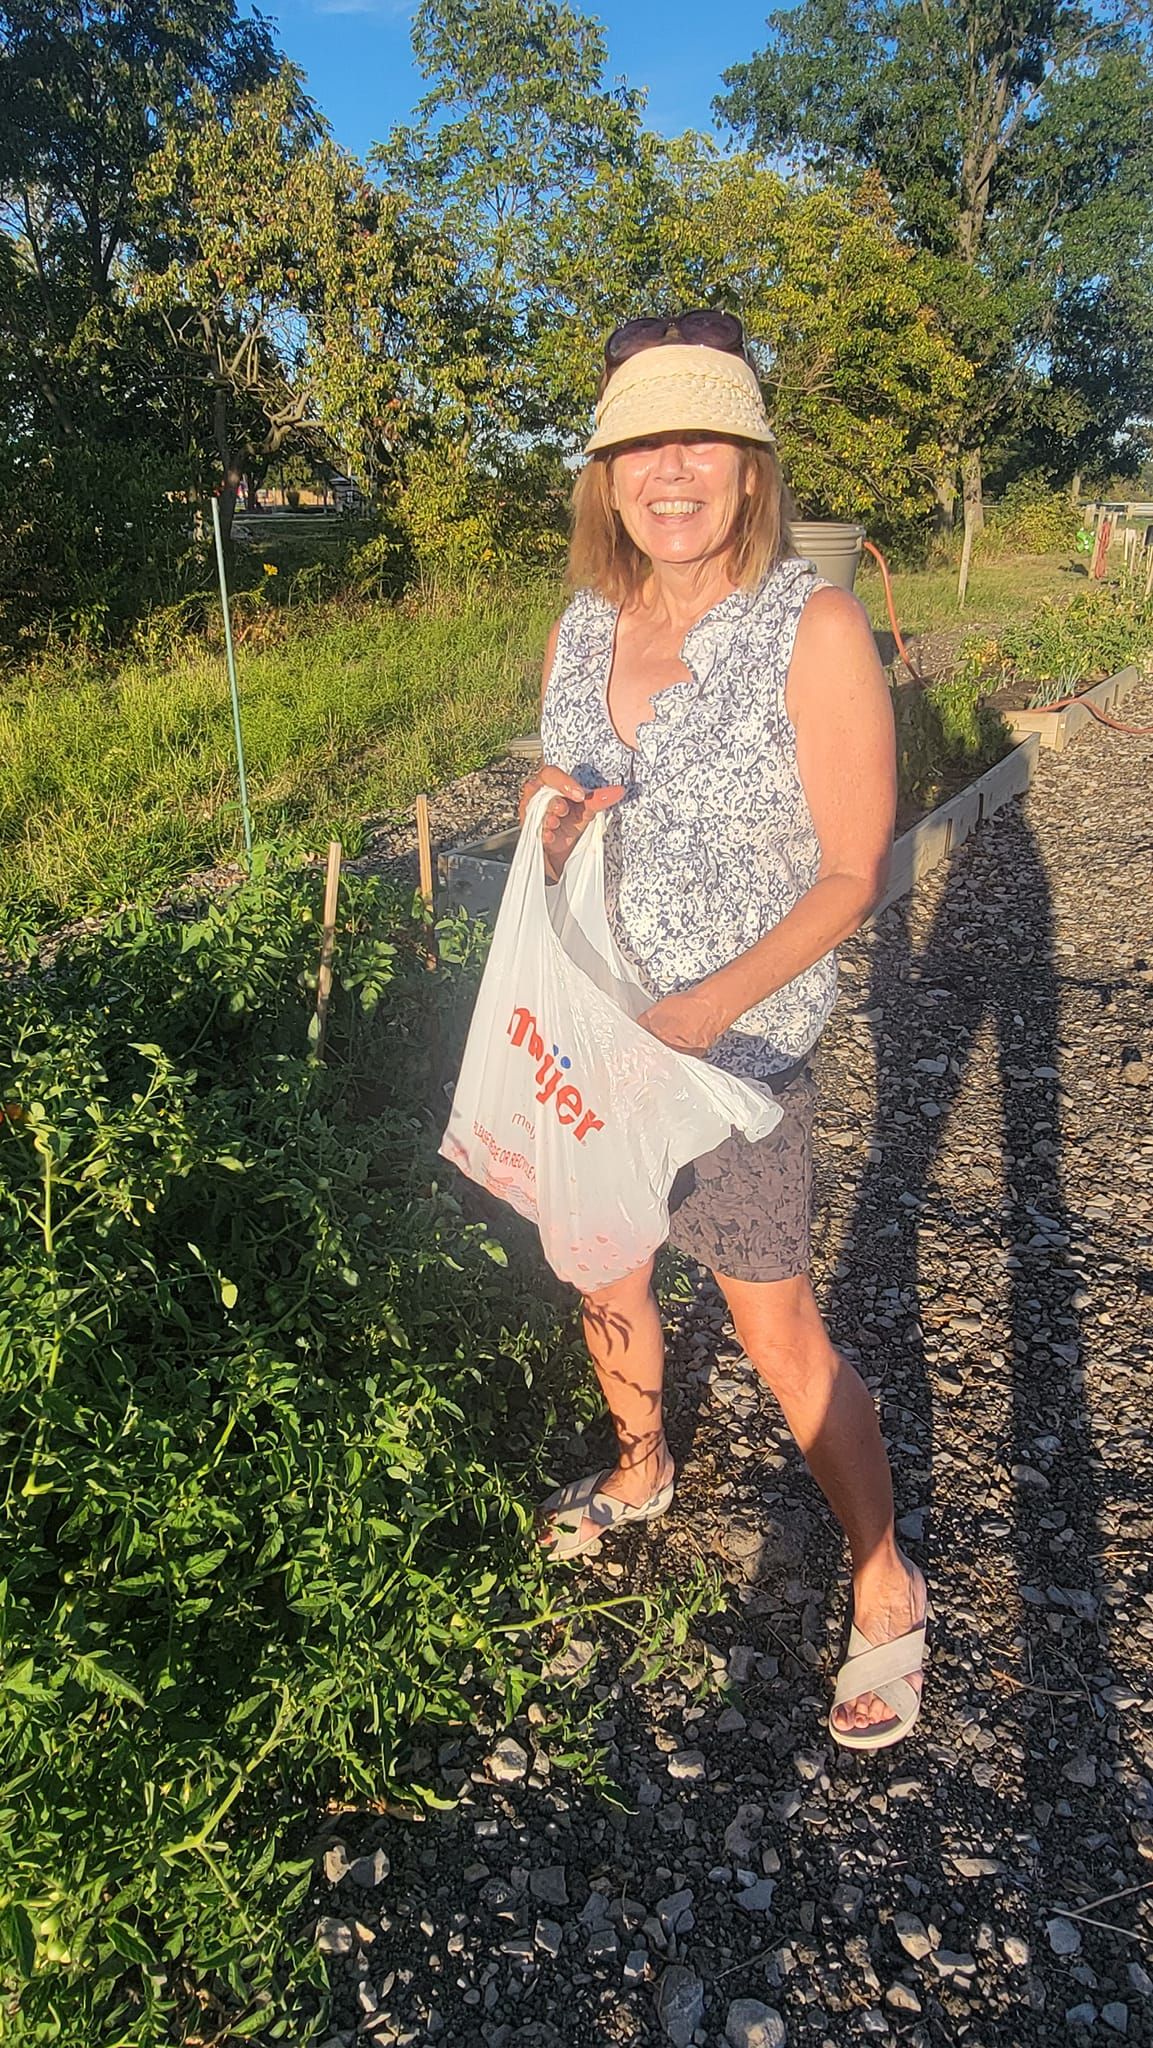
984, 1250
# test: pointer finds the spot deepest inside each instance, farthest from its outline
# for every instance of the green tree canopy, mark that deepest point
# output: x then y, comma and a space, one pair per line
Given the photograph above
1014, 136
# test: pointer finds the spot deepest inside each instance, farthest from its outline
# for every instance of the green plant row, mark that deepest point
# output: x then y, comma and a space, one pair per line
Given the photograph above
1061, 648
271, 1407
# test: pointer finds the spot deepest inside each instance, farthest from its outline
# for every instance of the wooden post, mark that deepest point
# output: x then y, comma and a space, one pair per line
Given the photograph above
424, 849
327, 943
974, 517
1149, 575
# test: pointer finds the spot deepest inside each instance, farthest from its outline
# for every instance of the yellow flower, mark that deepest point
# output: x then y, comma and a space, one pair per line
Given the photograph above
270, 568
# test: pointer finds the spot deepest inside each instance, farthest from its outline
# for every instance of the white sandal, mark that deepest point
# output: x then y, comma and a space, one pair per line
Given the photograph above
883, 1668
582, 1500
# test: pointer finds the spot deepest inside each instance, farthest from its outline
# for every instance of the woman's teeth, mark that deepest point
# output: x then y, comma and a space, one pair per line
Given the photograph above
669, 508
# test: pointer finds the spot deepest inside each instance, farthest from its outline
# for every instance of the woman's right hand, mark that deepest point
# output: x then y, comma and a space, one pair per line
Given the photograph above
566, 818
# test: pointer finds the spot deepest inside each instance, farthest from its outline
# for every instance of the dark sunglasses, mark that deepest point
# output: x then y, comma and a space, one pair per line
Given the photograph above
702, 329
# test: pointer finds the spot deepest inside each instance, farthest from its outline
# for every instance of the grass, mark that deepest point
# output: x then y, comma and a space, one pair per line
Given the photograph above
1001, 592
112, 787
115, 784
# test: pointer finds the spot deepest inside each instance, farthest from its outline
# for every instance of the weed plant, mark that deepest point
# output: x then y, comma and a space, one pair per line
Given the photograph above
272, 1408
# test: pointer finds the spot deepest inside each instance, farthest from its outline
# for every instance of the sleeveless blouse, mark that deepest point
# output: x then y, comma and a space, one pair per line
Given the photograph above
713, 842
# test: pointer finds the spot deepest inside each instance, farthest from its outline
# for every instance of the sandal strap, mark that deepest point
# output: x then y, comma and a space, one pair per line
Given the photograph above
582, 1500
883, 1668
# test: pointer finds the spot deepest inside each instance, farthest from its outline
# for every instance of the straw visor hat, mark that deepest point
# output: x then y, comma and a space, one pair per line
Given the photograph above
680, 388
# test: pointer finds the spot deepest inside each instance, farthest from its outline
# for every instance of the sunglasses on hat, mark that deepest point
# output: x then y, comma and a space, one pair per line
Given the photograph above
702, 329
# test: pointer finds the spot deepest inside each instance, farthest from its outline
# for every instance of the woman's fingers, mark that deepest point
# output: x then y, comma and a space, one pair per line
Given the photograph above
565, 785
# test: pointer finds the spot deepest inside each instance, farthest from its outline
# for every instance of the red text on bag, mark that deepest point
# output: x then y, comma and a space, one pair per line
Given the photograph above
566, 1100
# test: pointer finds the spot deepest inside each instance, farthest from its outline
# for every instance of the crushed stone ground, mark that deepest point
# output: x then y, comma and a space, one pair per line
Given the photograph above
984, 1250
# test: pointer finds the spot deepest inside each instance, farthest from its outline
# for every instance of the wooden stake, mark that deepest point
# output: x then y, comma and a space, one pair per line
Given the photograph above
424, 847
1149, 573
327, 943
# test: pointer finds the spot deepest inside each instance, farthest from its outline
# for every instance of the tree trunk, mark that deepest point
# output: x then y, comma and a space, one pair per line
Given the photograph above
945, 494
231, 464
971, 500
1075, 487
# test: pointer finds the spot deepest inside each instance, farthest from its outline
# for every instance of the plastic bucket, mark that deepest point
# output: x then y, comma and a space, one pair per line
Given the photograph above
833, 546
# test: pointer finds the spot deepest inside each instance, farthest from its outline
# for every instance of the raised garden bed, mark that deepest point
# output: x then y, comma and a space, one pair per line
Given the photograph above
1056, 728
472, 877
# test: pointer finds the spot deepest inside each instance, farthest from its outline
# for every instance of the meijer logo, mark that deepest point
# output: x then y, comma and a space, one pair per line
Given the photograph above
566, 1098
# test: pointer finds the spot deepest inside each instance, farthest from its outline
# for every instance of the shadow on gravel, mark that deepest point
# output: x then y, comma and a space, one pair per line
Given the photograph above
986, 1420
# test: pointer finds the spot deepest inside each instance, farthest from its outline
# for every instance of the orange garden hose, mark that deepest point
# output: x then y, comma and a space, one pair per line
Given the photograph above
901, 648
1061, 704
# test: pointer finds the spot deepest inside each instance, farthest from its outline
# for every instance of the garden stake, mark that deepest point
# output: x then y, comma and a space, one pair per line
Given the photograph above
231, 658
327, 943
424, 845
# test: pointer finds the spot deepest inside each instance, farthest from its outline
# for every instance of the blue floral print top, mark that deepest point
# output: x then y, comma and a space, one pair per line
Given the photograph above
713, 842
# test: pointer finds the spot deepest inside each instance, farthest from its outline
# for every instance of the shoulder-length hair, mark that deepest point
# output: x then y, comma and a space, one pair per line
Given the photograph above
603, 558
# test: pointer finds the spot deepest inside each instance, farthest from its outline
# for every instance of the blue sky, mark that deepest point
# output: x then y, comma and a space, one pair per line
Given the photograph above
359, 61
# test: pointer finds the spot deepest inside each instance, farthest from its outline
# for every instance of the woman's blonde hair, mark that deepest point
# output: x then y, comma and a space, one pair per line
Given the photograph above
603, 558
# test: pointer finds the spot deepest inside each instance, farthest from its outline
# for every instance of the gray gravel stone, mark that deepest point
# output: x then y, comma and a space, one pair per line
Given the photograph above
1064, 1936
333, 1937
507, 1763
757, 1898
749, 2024
1116, 2016
549, 1884
687, 1765
912, 1935
680, 2004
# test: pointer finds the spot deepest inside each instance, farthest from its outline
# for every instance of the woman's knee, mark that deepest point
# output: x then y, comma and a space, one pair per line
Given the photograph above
780, 1328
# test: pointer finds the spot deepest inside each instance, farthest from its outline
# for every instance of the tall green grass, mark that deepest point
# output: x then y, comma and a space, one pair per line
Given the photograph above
114, 785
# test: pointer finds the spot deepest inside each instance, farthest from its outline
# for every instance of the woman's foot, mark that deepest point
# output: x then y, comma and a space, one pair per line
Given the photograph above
883, 1610
635, 1483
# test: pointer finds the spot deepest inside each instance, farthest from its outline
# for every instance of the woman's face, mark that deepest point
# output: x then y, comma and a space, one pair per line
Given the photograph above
678, 497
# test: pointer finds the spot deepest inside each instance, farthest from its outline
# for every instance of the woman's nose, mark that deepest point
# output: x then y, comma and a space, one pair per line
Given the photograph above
673, 459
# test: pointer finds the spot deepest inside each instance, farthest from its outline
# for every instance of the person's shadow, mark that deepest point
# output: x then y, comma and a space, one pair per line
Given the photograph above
985, 1412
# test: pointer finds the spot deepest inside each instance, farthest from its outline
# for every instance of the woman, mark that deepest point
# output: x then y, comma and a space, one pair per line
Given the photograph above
731, 711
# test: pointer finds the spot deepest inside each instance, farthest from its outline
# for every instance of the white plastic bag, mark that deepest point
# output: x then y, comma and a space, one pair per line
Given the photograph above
565, 1106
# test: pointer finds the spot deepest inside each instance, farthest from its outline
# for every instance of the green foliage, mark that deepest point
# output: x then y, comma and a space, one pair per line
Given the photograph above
92, 539
1063, 647
281, 276
1012, 141
98, 431
946, 736
115, 782
861, 381
1030, 519
270, 1408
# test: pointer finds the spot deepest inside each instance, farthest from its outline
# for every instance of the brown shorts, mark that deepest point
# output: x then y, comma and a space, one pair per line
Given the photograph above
744, 1209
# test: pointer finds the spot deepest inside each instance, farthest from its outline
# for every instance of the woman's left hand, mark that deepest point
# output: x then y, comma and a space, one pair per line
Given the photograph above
690, 1021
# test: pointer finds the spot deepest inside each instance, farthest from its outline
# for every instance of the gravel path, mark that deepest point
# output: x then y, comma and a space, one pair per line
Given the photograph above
985, 1250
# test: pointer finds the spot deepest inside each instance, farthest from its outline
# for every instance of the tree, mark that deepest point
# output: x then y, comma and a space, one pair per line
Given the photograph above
518, 120
99, 433
277, 275
960, 106
861, 379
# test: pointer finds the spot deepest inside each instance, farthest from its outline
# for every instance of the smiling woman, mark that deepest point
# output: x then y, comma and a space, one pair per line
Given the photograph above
728, 709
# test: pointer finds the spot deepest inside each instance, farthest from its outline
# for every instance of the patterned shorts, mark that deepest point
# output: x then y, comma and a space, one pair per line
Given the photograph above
744, 1209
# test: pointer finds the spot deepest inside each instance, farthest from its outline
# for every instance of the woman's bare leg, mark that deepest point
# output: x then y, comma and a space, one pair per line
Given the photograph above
626, 1341
830, 1412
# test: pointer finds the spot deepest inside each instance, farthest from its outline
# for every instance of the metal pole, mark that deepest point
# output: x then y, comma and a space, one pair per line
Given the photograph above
231, 658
